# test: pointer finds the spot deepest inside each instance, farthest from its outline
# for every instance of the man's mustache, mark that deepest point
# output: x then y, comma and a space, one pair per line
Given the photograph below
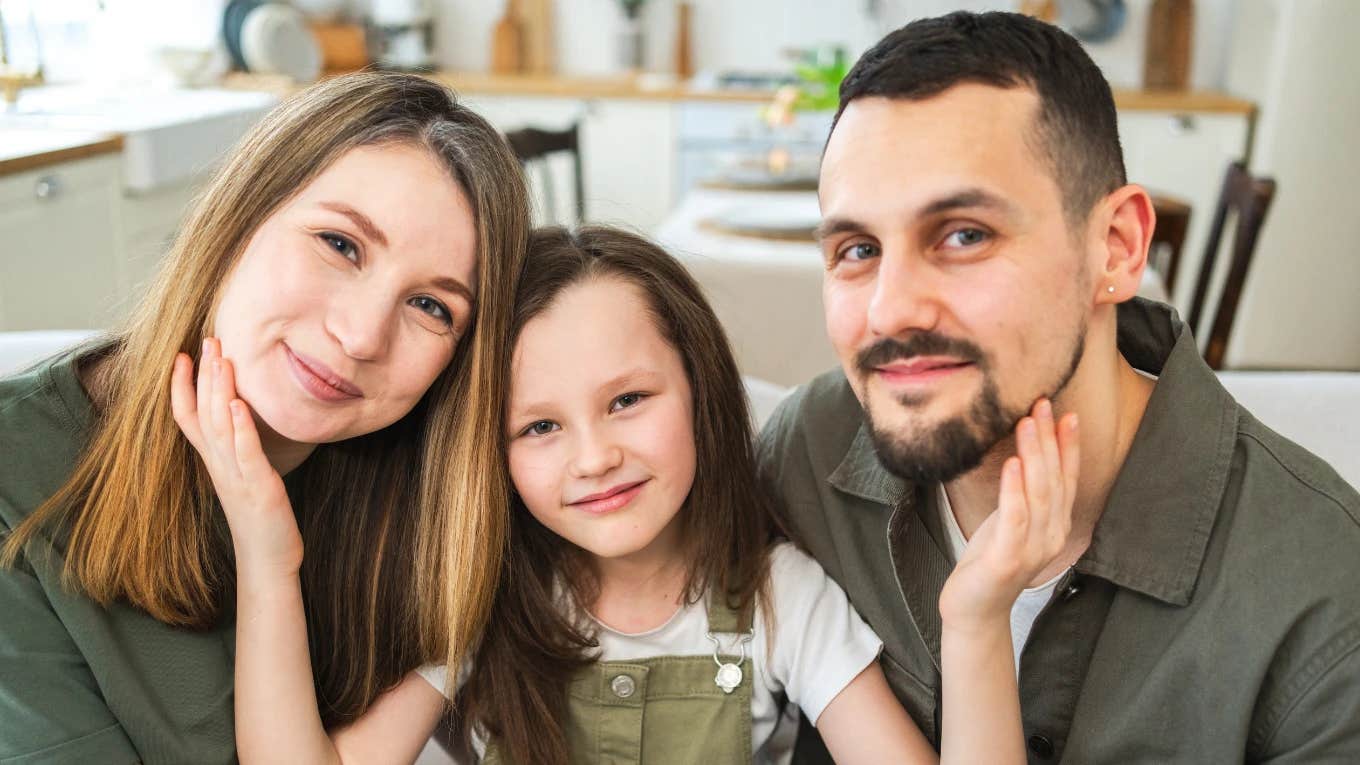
891, 349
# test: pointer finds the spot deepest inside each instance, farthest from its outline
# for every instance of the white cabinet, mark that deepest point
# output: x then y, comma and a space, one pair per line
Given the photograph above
627, 152
61, 259
76, 249
1184, 155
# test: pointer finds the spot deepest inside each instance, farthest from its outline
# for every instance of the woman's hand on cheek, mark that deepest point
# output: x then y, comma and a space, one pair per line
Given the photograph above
220, 427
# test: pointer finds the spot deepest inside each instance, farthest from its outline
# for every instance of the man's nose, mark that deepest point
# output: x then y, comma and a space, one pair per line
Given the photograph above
905, 297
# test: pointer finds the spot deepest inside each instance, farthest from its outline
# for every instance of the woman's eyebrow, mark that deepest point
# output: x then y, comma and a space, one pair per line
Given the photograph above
450, 284
365, 224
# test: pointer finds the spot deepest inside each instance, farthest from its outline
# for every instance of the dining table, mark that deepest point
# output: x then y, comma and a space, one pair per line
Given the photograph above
752, 254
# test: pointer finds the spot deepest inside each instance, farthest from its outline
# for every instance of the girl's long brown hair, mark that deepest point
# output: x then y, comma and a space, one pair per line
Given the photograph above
516, 692
404, 528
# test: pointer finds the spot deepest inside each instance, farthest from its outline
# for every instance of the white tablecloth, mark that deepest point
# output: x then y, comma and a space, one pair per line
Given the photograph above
768, 293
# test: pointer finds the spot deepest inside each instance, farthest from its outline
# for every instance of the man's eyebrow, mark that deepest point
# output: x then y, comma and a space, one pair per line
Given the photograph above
831, 226
364, 223
964, 199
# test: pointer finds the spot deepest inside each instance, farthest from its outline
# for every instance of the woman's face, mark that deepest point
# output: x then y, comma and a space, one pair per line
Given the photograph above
349, 300
600, 425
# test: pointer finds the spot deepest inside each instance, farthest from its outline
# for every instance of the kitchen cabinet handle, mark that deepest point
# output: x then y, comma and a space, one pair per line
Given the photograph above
47, 187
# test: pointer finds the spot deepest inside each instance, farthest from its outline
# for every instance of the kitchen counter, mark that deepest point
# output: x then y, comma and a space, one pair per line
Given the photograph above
29, 149
661, 89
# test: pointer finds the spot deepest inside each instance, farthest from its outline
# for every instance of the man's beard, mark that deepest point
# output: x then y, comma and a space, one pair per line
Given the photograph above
958, 444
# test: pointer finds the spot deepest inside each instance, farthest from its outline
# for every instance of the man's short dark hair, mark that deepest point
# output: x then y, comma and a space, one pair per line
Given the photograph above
1076, 131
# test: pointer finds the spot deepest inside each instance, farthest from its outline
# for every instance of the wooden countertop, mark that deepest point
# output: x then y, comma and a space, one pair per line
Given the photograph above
24, 149
661, 89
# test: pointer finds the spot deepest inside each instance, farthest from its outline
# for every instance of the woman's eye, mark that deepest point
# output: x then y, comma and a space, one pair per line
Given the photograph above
859, 251
341, 245
540, 428
433, 307
625, 401
966, 237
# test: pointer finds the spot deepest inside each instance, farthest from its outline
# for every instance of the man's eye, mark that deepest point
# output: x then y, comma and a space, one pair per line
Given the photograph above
966, 237
540, 428
342, 245
625, 401
859, 251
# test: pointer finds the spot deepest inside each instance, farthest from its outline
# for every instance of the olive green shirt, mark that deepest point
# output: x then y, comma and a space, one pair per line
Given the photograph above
1215, 617
80, 683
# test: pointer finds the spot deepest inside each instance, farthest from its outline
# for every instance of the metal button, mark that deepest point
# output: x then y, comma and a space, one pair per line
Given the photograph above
1041, 746
1072, 590
623, 686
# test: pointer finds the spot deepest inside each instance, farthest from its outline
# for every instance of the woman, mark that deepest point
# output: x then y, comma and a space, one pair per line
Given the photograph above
341, 259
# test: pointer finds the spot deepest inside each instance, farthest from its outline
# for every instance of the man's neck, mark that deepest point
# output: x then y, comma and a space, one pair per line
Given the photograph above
1108, 425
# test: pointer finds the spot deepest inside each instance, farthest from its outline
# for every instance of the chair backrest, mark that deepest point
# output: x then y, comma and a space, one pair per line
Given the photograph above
1250, 198
534, 145
1173, 220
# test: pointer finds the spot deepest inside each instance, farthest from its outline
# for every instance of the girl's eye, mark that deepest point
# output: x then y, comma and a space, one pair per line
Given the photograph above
540, 428
625, 401
859, 251
433, 307
966, 237
341, 245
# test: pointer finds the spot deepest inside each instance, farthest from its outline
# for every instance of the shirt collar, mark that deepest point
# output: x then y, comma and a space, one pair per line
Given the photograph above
1154, 530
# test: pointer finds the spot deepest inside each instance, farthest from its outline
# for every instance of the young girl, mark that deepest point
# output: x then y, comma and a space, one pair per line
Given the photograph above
646, 612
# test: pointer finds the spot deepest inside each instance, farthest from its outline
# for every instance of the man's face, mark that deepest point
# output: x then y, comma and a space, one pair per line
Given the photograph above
955, 292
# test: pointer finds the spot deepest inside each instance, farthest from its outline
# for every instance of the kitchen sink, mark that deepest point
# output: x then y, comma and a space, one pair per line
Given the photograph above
168, 135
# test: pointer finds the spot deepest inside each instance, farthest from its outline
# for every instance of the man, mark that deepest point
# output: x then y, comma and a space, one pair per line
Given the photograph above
982, 252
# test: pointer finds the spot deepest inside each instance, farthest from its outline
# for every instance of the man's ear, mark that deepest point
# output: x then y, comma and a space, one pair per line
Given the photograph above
1123, 222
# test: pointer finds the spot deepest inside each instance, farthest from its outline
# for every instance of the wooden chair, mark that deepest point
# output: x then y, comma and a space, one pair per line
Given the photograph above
1250, 198
1173, 220
533, 146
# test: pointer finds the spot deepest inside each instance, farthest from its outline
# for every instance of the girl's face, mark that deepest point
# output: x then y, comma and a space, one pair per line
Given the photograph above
601, 422
349, 300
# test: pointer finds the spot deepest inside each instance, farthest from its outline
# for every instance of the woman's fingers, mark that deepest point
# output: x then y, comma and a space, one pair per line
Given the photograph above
1035, 468
1048, 442
250, 457
184, 399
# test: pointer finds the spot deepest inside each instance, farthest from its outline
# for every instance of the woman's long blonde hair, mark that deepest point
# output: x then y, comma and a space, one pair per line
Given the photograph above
404, 528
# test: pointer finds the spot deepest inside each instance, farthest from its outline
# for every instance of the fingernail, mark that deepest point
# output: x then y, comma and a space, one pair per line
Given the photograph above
1073, 423
1045, 408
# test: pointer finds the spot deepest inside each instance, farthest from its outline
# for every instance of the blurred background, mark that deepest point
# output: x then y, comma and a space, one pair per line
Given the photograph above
699, 123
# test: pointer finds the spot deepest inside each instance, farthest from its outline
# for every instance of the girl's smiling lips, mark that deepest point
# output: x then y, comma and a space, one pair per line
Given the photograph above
319, 380
609, 500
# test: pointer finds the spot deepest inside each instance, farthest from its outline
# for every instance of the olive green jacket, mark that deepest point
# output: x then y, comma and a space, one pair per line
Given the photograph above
80, 683
1215, 617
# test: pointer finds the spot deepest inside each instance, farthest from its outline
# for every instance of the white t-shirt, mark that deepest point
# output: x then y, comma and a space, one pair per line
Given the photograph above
1030, 602
818, 645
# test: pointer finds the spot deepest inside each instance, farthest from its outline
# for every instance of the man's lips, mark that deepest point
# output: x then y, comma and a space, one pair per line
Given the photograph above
920, 368
609, 499
321, 379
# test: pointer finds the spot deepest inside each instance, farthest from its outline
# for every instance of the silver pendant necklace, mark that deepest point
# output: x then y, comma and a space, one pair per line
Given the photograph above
729, 675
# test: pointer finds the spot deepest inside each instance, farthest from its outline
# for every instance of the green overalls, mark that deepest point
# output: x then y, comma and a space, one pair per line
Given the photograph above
664, 709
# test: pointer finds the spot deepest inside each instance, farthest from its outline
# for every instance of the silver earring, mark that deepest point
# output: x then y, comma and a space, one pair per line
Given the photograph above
1110, 289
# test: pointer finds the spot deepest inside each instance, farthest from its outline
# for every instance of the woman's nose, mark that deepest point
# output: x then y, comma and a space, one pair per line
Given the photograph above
362, 324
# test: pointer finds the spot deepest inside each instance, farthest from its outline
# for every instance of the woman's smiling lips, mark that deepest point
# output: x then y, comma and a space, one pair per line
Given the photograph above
609, 500
318, 379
